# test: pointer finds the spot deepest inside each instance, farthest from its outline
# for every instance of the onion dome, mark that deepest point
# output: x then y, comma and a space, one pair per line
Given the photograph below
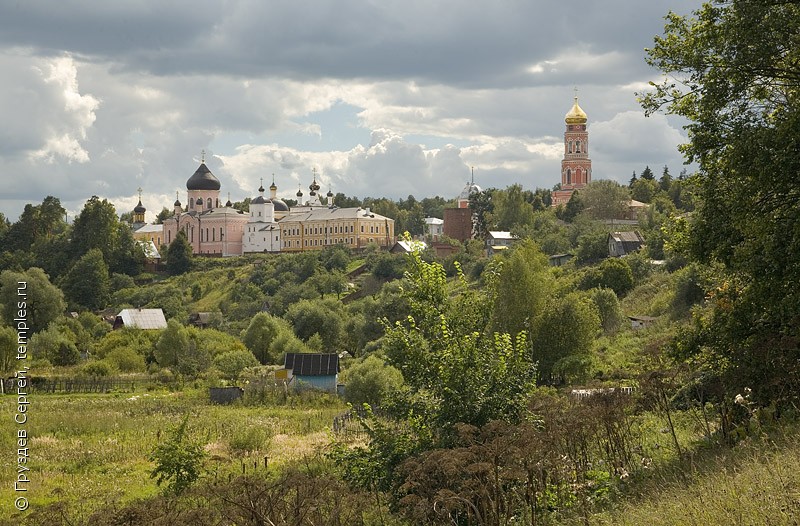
199, 201
139, 209
468, 190
314, 186
228, 204
260, 199
202, 179
330, 193
273, 186
576, 115
279, 205
299, 193
177, 202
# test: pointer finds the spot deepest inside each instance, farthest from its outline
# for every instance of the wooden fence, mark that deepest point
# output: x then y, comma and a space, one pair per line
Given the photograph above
78, 385
348, 424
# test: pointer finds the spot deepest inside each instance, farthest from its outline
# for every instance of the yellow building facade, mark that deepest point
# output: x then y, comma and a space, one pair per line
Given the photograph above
318, 228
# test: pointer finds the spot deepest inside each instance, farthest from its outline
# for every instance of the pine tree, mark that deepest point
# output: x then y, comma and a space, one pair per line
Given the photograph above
666, 179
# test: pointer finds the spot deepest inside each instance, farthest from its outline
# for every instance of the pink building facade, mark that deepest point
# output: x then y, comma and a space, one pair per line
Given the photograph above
210, 228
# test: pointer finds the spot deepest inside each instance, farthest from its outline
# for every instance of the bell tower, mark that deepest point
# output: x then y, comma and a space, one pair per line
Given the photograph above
576, 167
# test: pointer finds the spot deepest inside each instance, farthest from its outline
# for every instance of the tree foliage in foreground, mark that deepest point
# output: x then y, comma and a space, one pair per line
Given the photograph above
732, 70
449, 357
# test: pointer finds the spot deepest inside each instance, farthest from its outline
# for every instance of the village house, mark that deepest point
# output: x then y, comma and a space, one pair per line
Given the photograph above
622, 243
498, 240
148, 319
310, 371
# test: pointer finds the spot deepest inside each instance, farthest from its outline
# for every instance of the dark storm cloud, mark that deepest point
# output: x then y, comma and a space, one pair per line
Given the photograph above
479, 44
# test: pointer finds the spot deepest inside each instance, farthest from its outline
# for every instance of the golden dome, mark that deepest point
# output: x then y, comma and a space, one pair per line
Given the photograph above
576, 115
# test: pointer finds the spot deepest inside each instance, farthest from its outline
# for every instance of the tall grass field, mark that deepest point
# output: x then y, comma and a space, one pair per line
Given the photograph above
89, 450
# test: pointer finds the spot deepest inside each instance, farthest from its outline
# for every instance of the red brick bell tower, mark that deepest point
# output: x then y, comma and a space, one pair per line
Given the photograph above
576, 167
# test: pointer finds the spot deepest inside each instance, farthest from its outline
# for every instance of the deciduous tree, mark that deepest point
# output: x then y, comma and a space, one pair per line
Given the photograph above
731, 69
370, 380
44, 302
521, 289
179, 255
87, 285
563, 335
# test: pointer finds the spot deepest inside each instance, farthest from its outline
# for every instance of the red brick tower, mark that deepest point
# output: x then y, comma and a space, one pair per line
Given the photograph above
576, 167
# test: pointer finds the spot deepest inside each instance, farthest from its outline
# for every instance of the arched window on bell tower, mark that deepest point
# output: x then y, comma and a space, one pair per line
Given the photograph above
578, 146
569, 176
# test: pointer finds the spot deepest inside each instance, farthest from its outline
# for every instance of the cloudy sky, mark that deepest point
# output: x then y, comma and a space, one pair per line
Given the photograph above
381, 97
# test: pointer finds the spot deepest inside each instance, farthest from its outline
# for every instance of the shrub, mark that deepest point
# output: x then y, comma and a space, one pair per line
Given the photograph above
232, 363
179, 461
101, 368
368, 381
127, 360
612, 273
253, 438
608, 307
688, 290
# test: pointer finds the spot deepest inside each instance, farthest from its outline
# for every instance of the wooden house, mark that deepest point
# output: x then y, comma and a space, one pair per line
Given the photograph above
622, 243
150, 319
497, 240
310, 371
641, 322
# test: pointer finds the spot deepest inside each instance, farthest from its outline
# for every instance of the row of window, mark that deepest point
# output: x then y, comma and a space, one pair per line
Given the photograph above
321, 242
209, 202
210, 234
578, 173
336, 229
